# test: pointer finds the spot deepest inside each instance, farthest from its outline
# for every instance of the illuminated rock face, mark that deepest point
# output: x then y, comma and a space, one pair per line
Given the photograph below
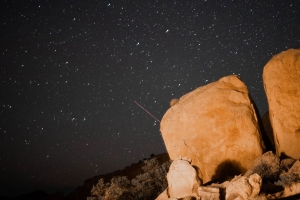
216, 126
281, 78
182, 179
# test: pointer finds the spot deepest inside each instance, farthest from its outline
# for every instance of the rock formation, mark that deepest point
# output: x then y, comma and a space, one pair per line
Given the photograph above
281, 77
242, 187
182, 179
216, 126
209, 193
256, 184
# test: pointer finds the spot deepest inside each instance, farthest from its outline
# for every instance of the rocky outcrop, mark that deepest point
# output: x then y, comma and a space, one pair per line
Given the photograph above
258, 183
183, 184
216, 126
281, 77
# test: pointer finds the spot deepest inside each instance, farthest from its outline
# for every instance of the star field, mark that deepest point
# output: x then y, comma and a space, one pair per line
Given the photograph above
71, 71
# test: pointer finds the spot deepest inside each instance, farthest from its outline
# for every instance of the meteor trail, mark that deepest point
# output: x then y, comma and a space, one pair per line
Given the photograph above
146, 111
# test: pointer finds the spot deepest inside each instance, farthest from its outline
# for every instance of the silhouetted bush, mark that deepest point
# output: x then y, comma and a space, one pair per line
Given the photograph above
144, 186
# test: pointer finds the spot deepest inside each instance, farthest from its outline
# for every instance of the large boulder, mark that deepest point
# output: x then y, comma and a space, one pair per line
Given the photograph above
216, 126
281, 76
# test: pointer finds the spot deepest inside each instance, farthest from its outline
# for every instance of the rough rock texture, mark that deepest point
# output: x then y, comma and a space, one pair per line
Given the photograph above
286, 164
290, 181
291, 176
182, 179
267, 166
216, 126
209, 193
291, 190
256, 184
242, 187
281, 78
295, 168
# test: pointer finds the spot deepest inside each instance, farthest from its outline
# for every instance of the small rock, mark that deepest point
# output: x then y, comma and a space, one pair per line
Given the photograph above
244, 188
182, 179
209, 193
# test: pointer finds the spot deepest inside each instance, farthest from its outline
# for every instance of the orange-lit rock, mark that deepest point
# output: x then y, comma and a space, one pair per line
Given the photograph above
182, 179
242, 187
281, 78
216, 126
173, 102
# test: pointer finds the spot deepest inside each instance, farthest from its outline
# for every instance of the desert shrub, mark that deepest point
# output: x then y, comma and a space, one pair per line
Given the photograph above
98, 191
152, 182
119, 188
287, 179
144, 186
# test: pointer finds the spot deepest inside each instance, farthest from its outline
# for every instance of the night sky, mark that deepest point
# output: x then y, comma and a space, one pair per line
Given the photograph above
71, 71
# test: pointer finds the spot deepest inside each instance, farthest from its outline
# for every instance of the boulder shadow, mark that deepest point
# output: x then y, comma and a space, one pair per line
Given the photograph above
227, 170
198, 171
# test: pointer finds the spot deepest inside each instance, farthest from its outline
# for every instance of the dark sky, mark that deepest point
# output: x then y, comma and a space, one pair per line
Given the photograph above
71, 71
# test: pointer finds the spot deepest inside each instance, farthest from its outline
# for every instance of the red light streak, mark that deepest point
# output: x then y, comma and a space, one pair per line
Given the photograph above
146, 111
